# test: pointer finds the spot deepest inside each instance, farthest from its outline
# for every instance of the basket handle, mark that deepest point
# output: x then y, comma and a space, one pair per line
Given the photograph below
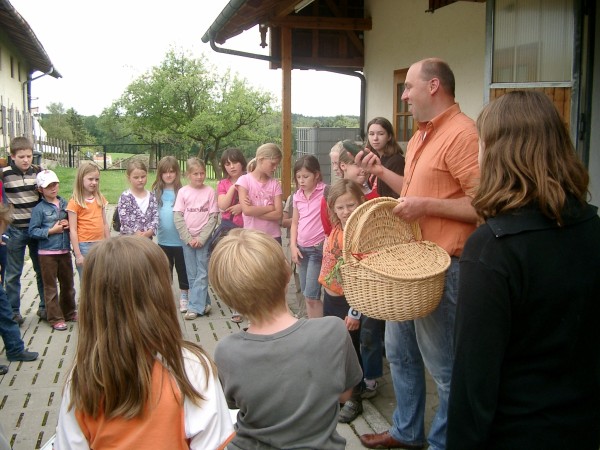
351, 226
384, 203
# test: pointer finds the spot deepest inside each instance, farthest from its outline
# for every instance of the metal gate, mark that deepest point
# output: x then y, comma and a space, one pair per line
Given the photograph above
105, 155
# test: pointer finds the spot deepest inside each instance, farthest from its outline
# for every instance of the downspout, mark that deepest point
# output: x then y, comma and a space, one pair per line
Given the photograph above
363, 81
27, 98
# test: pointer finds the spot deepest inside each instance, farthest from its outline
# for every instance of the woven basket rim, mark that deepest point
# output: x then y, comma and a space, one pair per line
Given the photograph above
441, 257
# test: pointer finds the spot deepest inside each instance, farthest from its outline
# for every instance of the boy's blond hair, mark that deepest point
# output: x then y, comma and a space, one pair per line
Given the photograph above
250, 273
20, 143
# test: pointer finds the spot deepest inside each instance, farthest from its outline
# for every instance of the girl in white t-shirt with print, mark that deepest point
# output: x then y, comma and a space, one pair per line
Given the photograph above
195, 213
260, 193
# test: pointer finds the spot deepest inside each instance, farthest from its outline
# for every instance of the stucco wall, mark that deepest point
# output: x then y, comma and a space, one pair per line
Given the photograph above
403, 33
10, 88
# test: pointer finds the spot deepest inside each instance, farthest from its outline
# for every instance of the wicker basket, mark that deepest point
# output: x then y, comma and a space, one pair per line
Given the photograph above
389, 273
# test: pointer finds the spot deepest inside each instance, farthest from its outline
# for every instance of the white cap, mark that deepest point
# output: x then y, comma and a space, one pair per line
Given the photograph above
46, 177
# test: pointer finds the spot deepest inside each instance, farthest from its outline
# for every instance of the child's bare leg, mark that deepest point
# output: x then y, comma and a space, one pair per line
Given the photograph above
314, 308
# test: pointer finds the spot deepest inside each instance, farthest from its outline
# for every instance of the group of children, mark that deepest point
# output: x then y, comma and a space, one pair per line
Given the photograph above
183, 218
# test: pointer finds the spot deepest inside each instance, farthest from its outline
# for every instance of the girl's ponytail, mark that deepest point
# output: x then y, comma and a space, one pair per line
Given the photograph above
252, 165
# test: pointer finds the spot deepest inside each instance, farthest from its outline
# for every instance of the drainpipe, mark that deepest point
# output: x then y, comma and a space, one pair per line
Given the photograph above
363, 81
27, 98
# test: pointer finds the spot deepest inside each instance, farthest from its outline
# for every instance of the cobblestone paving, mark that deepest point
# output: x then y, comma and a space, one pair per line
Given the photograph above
30, 393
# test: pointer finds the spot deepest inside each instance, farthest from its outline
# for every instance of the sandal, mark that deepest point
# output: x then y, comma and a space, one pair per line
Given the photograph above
60, 326
237, 318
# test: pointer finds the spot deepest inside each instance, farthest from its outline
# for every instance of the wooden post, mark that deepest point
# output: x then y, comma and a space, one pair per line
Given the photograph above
286, 111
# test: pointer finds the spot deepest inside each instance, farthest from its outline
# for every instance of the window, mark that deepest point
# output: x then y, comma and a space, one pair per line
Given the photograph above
533, 41
12, 67
403, 121
19, 71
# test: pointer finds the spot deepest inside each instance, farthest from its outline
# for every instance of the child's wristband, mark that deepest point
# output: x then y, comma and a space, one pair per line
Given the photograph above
354, 314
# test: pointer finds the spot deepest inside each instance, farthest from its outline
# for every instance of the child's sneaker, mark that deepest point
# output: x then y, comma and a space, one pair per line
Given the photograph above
183, 302
350, 411
370, 389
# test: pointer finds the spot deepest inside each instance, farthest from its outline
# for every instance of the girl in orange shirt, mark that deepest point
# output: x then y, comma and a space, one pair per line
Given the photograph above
135, 382
87, 213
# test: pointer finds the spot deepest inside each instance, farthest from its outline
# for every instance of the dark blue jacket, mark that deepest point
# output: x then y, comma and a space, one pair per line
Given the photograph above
43, 217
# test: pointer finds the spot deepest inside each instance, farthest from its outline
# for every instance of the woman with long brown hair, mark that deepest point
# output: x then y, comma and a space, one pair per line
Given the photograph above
526, 372
382, 141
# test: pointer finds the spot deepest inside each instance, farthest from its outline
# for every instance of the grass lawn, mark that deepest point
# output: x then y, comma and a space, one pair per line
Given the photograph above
112, 182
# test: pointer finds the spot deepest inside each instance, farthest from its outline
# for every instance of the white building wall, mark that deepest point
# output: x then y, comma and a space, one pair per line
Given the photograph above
403, 33
11, 89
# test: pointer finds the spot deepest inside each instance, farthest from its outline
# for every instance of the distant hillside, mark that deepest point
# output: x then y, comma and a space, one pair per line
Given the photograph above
298, 120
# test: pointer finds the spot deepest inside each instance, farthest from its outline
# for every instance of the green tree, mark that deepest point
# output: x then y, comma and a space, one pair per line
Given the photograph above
55, 122
78, 129
184, 101
64, 124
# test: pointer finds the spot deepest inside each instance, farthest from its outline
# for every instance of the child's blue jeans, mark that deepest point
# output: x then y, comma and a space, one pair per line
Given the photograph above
196, 266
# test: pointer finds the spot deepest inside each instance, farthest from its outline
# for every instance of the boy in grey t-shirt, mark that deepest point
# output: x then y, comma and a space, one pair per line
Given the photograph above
286, 375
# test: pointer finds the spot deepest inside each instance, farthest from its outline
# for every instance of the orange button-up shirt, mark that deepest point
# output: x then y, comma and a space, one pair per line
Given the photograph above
441, 162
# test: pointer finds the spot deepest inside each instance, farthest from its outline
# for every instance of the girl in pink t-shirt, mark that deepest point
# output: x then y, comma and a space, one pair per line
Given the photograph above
307, 234
195, 213
260, 193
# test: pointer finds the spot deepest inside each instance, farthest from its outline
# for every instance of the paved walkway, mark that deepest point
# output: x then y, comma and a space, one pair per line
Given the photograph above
30, 393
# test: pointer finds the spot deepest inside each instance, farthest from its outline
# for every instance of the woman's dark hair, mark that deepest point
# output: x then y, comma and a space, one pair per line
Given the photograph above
392, 147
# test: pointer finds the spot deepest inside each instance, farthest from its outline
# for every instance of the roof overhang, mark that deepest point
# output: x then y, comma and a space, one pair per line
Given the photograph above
24, 39
325, 33
241, 15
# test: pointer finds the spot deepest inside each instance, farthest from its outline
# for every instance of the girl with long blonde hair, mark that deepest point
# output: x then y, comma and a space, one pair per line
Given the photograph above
260, 193
86, 212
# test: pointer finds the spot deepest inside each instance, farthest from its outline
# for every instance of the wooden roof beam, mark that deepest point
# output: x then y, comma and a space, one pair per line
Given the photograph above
322, 23
356, 41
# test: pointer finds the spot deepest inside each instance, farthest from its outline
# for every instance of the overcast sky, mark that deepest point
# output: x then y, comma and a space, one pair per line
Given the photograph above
99, 47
